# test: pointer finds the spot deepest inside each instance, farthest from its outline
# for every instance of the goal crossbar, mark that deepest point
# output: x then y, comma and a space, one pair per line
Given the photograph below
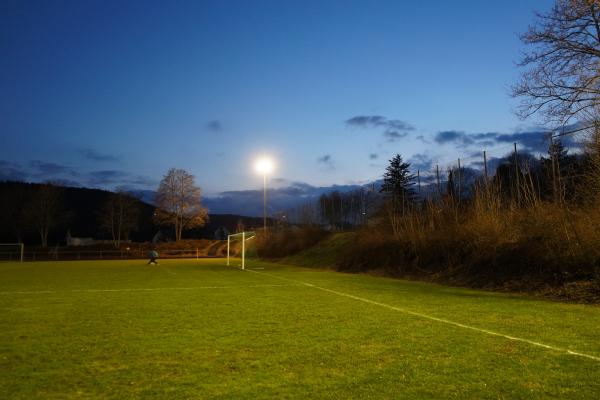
243, 236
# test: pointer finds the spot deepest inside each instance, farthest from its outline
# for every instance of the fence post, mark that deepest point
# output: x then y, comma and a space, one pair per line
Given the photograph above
197, 253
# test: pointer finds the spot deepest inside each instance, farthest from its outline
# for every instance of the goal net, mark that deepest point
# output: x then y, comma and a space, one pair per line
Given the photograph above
11, 252
240, 247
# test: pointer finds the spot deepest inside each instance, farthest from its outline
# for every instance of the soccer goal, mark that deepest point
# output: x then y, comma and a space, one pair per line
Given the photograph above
238, 247
12, 251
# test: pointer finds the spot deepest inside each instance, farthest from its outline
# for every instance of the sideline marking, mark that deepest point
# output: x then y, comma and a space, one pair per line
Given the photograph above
143, 289
432, 318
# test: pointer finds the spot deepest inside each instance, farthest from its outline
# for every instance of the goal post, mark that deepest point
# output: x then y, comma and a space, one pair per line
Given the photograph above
236, 245
12, 252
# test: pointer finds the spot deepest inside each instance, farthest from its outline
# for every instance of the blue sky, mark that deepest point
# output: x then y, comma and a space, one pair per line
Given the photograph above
116, 93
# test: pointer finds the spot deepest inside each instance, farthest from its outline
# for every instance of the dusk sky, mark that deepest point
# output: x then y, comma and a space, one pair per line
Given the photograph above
115, 93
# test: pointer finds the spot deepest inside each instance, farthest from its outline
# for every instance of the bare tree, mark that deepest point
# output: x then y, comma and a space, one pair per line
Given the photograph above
307, 214
561, 74
119, 216
178, 202
45, 210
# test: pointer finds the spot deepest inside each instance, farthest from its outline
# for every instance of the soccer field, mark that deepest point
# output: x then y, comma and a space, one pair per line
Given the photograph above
198, 329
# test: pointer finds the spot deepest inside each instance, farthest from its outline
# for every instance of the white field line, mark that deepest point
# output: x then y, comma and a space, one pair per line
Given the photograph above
167, 270
142, 289
442, 320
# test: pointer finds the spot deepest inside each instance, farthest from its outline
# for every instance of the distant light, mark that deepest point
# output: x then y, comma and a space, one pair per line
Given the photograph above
264, 166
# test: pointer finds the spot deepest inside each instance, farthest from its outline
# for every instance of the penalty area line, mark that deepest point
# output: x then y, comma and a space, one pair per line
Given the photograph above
441, 320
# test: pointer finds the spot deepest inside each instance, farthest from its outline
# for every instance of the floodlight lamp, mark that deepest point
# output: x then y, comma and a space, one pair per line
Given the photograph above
263, 166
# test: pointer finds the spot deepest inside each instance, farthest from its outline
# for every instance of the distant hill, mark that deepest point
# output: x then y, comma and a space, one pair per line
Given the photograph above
81, 208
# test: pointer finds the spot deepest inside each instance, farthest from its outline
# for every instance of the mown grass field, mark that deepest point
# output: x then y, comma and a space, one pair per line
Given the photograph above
198, 329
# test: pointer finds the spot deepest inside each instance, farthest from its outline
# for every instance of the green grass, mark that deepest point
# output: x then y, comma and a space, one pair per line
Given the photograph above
325, 253
78, 330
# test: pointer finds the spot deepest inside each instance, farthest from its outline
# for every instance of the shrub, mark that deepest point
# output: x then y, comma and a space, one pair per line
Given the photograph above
288, 241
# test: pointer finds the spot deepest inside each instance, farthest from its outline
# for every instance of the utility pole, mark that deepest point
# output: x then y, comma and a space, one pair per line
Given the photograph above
485, 167
459, 176
437, 175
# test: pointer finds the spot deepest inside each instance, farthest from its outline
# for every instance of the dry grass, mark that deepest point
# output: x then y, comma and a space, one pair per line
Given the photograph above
487, 241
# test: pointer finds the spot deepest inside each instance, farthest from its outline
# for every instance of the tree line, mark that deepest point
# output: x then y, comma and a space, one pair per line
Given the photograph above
532, 224
46, 211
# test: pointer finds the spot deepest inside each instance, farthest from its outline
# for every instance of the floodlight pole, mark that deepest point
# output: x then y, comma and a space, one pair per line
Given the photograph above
228, 242
265, 203
243, 250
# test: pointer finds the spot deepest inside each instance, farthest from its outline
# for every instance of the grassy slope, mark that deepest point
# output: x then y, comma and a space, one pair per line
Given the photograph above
324, 254
227, 335
329, 252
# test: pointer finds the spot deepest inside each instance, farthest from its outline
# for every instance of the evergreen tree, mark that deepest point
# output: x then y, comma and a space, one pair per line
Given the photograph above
398, 181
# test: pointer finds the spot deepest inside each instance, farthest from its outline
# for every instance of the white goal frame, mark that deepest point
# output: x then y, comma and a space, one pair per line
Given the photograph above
20, 252
245, 236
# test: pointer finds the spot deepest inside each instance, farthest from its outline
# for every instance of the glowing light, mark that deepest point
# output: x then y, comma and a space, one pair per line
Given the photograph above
264, 166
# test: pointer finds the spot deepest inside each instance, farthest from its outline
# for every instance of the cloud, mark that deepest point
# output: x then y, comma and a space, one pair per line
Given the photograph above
366, 121
249, 202
452, 137
399, 125
10, 171
531, 141
392, 135
421, 162
140, 180
43, 169
326, 161
423, 139
214, 125
393, 129
118, 178
106, 177
94, 155
373, 156
66, 182
429, 179
463, 139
